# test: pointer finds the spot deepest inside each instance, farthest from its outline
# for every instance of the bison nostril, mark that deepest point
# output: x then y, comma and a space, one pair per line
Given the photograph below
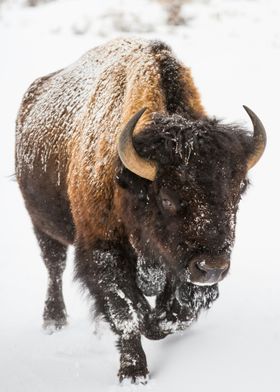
202, 266
208, 268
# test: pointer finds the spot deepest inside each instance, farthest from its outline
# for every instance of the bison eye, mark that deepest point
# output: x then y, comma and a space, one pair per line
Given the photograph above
167, 204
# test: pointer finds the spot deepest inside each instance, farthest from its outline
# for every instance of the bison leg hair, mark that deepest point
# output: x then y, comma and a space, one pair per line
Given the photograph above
54, 256
109, 276
133, 365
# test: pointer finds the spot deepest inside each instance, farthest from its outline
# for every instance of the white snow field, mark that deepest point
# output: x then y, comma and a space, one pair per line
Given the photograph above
233, 48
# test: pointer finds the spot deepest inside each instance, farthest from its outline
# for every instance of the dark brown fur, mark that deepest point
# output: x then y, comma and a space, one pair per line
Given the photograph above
77, 191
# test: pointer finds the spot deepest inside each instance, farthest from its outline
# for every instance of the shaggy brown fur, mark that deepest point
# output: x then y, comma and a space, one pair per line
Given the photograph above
131, 236
69, 122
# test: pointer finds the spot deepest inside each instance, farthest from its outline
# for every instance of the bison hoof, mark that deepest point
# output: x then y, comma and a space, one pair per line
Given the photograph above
51, 326
131, 375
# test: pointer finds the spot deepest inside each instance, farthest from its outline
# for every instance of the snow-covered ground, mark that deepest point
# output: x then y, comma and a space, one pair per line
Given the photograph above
233, 48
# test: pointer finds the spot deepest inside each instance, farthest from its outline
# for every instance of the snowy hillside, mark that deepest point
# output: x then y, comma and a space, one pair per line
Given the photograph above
233, 48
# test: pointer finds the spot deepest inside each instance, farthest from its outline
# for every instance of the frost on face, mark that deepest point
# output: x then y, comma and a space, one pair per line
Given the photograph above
196, 297
185, 307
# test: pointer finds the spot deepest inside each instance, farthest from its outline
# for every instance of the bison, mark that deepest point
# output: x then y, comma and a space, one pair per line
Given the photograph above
116, 156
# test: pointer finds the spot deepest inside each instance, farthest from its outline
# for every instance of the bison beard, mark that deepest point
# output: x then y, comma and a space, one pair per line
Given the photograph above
147, 197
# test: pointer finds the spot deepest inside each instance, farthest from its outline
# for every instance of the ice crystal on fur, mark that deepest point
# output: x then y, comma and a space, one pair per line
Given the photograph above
151, 277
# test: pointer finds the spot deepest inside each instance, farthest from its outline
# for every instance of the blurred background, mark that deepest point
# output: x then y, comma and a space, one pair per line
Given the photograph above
233, 49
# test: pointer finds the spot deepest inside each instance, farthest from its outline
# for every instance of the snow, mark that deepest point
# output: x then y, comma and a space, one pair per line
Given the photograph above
150, 279
131, 323
233, 48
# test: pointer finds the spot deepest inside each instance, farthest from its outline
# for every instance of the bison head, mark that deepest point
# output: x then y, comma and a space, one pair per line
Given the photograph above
180, 183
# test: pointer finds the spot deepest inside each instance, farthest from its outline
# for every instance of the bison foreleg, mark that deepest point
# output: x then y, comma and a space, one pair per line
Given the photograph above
110, 278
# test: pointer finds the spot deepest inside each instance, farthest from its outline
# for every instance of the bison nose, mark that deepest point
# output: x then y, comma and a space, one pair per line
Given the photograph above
208, 270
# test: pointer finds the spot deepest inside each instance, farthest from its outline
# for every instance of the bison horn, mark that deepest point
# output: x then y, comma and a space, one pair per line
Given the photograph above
259, 139
128, 155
